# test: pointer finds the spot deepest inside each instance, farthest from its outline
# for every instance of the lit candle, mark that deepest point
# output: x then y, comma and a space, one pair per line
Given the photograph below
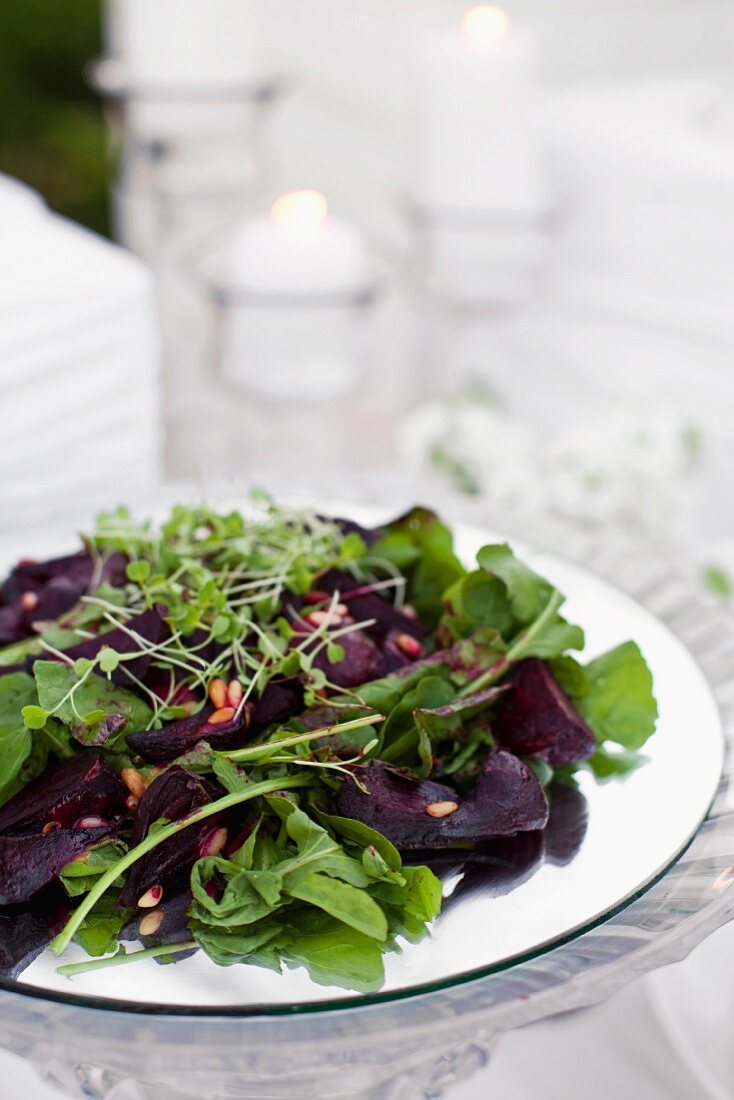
293, 277
477, 149
300, 248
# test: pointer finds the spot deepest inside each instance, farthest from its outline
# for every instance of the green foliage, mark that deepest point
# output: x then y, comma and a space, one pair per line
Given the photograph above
52, 133
614, 693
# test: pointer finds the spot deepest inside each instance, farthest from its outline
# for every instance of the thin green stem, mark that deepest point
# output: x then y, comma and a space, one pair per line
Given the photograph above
518, 649
238, 756
122, 958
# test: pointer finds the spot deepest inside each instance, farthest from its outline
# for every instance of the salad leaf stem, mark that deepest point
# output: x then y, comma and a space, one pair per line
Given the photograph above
256, 752
520, 647
122, 957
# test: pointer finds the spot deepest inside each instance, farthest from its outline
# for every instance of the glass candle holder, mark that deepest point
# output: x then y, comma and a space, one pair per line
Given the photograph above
478, 261
285, 346
185, 154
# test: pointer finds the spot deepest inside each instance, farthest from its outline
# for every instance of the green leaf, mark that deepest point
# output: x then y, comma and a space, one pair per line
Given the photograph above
349, 904
99, 930
109, 659
60, 692
16, 741
35, 717
422, 547
614, 693
615, 765
138, 571
478, 601
335, 954
528, 592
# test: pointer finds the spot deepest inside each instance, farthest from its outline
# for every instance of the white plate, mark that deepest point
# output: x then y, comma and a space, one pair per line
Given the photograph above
636, 828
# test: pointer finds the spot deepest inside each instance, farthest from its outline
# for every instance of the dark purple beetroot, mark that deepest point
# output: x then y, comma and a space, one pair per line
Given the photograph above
25, 930
173, 795
13, 625
149, 625
567, 823
537, 718
491, 868
366, 602
279, 702
37, 592
362, 661
82, 786
28, 863
506, 799
177, 738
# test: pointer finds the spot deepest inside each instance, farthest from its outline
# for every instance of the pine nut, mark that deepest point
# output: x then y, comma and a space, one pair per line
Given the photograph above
150, 898
218, 693
29, 601
224, 714
134, 781
441, 809
234, 693
151, 922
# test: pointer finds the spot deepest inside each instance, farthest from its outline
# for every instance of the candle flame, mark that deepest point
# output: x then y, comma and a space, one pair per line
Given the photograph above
299, 211
482, 27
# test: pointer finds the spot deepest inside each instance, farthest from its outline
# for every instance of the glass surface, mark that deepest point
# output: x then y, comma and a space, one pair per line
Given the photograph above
417, 1046
518, 897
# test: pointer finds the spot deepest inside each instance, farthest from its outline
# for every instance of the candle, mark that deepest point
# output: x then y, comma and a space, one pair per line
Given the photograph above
186, 62
293, 277
298, 249
476, 142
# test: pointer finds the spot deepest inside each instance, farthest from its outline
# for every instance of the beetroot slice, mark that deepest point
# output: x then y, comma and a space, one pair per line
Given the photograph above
82, 786
507, 798
25, 930
173, 795
57, 586
362, 661
176, 738
28, 863
537, 718
278, 703
149, 625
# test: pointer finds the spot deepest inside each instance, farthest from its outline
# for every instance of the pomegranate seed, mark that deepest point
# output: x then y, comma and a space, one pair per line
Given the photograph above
213, 842
50, 826
29, 601
316, 597
410, 646
441, 809
134, 781
224, 714
234, 693
131, 802
218, 693
150, 898
151, 922
340, 609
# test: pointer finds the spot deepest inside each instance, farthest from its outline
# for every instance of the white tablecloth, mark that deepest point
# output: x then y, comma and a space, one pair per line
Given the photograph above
616, 1050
